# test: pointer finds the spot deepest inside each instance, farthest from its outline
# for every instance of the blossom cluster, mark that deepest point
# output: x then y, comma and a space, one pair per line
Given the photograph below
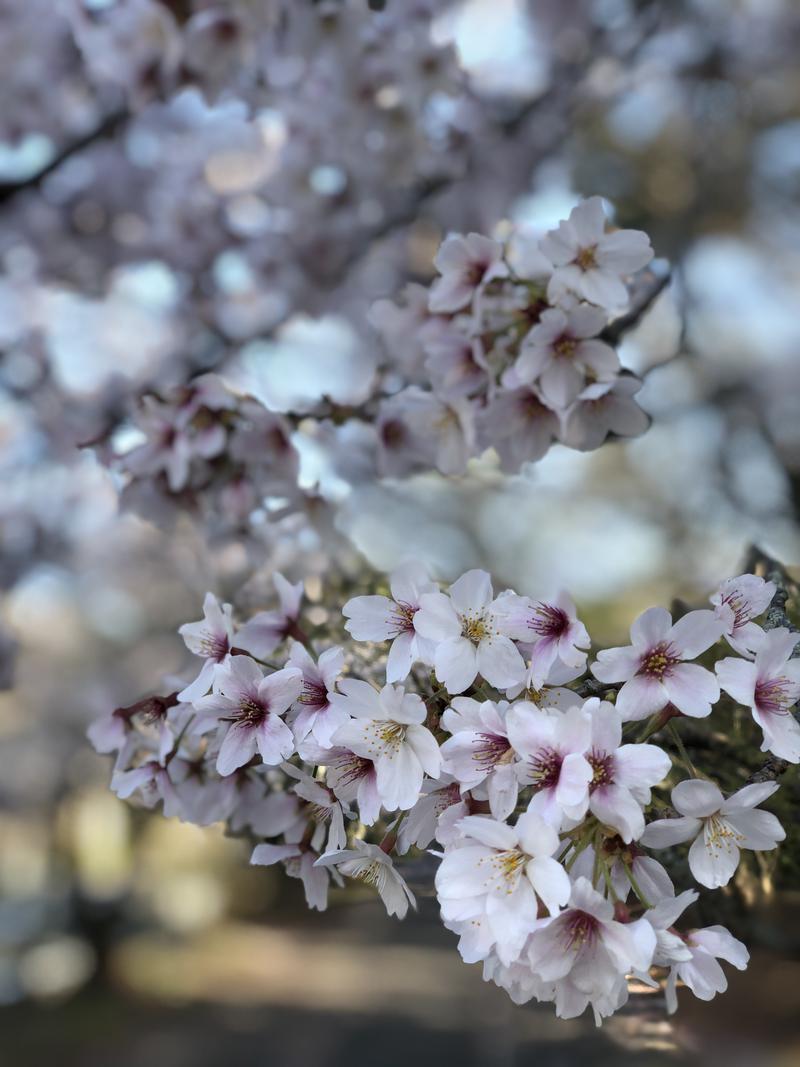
507, 348
520, 761
210, 450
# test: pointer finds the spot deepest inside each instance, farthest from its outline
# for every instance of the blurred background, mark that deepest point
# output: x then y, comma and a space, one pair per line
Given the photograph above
173, 199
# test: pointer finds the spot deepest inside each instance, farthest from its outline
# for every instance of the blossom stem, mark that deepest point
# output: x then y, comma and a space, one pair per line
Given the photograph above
635, 885
682, 750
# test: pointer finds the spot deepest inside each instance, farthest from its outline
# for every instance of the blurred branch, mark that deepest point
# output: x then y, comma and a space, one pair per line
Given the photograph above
615, 330
106, 128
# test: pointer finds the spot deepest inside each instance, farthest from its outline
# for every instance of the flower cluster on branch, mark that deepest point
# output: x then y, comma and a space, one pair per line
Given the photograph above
455, 723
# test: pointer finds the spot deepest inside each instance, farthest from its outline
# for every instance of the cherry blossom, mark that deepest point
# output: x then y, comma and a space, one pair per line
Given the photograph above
702, 973
249, 708
480, 751
718, 828
622, 775
386, 727
313, 714
499, 871
584, 951
467, 629
435, 815
562, 351
379, 618
552, 627
745, 597
354, 779
552, 747
370, 864
299, 862
653, 667
464, 264
604, 408
770, 687
262, 634
590, 262
211, 638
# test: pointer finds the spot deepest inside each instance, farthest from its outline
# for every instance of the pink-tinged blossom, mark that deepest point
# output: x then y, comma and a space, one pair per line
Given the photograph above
418, 430
386, 728
480, 752
551, 627
552, 748
562, 350
299, 862
649, 875
149, 782
354, 779
584, 951
211, 638
590, 262
455, 364
435, 815
622, 775
501, 872
702, 973
381, 618
262, 634
249, 708
313, 715
370, 864
738, 601
326, 808
266, 813
466, 628
519, 425
464, 263
604, 408
770, 687
653, 667
718, 828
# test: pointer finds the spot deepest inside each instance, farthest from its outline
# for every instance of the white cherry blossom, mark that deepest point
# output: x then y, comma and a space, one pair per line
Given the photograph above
464, 264
468, 631
313, 715
702, 973
739, 601
379, 618
770, 687
371, 865
387, 728
718, 828
262, 634
480, 752
552, 627
654, 668
210, 638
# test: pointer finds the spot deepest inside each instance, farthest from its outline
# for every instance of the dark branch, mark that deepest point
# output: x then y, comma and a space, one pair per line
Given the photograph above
106, 128
616, 329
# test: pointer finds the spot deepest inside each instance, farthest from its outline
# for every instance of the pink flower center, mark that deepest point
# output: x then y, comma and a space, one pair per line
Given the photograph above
353, 768
314, 694
565, 346
489, 750
581, 929
549, 621
251, 712
215, 646
602, 764
739, 607
658, 661
776, 696
403, 617
545, 768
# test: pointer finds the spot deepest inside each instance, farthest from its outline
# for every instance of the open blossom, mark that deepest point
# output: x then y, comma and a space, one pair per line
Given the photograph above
590, 262
379, 618
718, 828
249, 708
499, 871
739, 601
262, 634
519, 425
552, 627
299, 862
418, 430
435, 815
653, 667
622, 775
370, 864
701, 972
467, 629
464, 264
386, 727
770, 687
479, 751
552, 747
562, 351
603, 408
149, 782
354, 779
313, 714
210, 638
584, 950
326, 808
